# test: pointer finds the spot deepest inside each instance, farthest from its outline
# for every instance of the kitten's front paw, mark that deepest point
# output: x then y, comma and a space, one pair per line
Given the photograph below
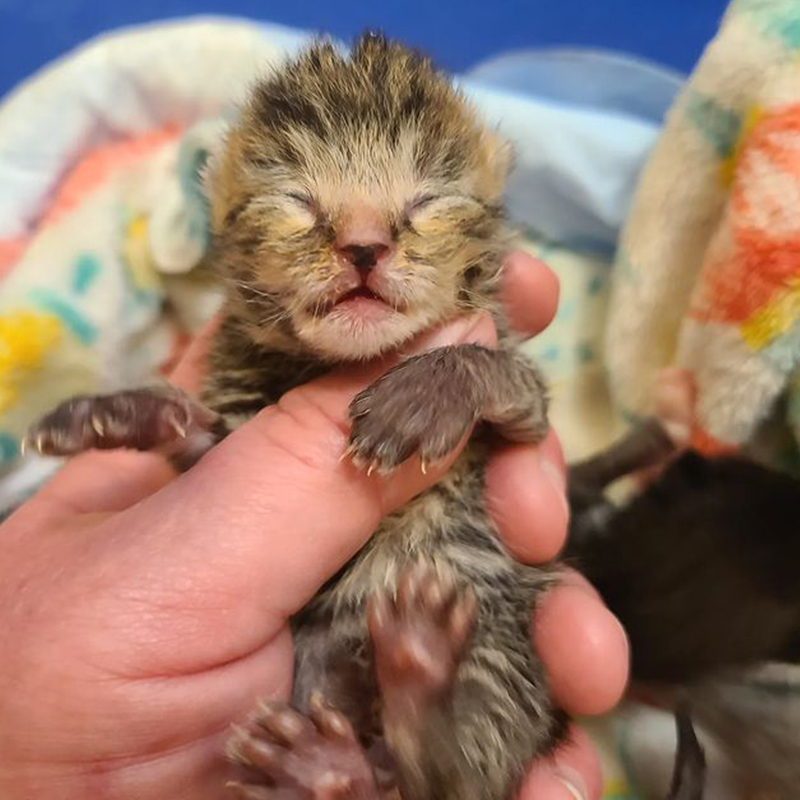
412, 409
140, 419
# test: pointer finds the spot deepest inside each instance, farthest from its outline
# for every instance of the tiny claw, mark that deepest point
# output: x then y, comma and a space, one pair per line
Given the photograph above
180, 429
371, 468
97, 425
39, 443
423, 465
268, 707
349, 451
23, 446
238, 731
334, 782
237, 738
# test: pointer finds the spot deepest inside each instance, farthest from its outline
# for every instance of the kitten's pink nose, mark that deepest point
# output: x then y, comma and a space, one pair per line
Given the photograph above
364, 239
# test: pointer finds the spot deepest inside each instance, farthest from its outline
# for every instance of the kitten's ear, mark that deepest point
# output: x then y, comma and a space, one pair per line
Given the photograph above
207, 171
207, 141
497, 157
180, 220
218, 174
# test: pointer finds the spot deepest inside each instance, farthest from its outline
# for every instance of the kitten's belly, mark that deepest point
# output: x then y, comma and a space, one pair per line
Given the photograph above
447, 526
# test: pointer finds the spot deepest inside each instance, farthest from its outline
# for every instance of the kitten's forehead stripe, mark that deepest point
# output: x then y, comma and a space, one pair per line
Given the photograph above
381, 90
279, 108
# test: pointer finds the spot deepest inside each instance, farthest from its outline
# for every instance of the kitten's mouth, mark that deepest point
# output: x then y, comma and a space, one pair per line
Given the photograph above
358, 322
362, 292
362, 306
360, 302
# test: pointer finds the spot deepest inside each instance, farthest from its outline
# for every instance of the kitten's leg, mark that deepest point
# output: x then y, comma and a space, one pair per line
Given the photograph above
688, 780
158, 418
646, 445
462, 711
288, 756
419, 642
427, 404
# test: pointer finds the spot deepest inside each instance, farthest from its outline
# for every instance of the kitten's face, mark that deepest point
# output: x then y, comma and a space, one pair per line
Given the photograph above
357, 202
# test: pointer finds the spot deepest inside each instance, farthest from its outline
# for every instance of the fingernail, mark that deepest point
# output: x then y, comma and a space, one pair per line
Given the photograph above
573, 783
474, 329
553, 470
556, 475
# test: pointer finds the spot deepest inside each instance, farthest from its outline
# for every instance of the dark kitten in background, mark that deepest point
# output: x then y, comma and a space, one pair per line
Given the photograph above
701, 567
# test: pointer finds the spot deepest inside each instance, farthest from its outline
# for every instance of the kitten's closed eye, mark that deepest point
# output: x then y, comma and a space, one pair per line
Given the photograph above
435, 210
438, 205
303, 200
301, 209
421, 202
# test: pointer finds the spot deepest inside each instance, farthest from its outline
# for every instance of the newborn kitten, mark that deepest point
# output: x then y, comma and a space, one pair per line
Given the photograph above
700, 566
357, 203
701, 569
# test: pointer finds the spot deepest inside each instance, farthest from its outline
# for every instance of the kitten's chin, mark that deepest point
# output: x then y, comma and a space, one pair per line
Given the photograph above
357, 334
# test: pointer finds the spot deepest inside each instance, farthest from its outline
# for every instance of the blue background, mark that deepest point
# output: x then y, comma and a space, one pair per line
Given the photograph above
457, 34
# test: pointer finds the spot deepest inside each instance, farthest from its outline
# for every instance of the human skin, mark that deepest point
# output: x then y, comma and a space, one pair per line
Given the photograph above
144, 612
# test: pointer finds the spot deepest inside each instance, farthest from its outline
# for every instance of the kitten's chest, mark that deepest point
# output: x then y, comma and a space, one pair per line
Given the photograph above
447, 527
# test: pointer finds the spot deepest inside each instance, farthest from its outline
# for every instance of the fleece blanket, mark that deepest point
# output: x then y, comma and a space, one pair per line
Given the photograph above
705, 297
103, 232
707, 276
102, 220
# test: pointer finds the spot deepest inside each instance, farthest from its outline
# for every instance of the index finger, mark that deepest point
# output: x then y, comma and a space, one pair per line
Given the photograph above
292, 510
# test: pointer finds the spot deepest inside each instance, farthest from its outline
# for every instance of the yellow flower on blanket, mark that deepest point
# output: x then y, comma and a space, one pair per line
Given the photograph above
138, 255
774, 319
25, 338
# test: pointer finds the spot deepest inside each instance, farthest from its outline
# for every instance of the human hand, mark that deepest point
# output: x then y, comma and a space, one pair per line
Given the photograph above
584, 647
144, 613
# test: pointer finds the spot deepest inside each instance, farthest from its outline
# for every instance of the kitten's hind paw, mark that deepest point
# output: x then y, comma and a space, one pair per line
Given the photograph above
292, 757
420, 639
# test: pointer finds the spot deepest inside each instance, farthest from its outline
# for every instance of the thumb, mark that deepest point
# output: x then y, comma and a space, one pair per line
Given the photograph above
273, 511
